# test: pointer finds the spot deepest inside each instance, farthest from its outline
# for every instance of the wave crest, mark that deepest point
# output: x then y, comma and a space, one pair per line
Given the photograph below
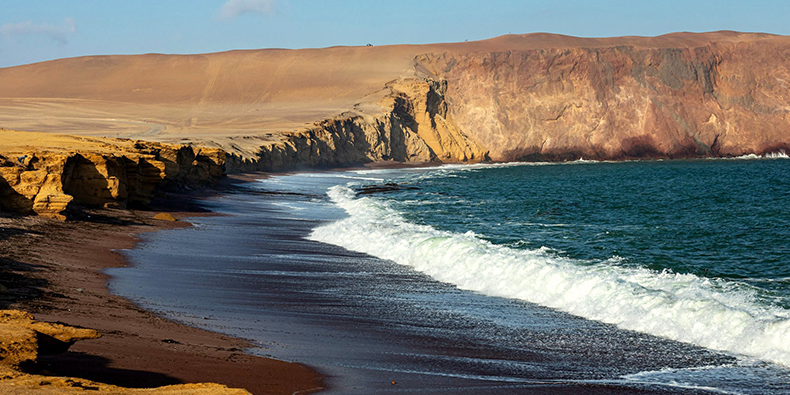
712, 313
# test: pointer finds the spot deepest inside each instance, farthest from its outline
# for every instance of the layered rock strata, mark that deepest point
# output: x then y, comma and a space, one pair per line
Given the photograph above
102, 172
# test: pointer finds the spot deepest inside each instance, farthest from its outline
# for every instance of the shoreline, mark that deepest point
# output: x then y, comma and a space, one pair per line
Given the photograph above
308, 311
138, 347
56, 272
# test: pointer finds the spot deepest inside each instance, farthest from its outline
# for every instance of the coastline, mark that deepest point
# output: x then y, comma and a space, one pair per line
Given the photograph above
673, 96
57, 274
195, 348
304, 308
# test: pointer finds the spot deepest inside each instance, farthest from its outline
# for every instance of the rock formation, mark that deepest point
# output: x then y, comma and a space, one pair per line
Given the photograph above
410, 122
22, 340
45, 179
622, 102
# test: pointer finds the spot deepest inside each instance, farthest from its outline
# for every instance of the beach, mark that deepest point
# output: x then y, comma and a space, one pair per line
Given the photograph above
56, 272
424, 308
245, 261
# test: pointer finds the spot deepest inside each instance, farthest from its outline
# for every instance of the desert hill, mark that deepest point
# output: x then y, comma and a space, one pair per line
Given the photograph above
534, 96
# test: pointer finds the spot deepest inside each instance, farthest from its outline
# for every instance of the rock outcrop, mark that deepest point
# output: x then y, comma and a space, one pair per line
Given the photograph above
45, 180
619, 102
409, 122
22, 340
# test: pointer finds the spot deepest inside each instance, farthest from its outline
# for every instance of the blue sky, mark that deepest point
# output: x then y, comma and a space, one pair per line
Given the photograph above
38, 30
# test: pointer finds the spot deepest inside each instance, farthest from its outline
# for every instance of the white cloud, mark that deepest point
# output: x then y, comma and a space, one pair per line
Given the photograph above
59, 33
233, 8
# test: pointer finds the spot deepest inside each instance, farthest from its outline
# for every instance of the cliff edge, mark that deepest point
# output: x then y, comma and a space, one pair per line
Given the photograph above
45, 173
710, 99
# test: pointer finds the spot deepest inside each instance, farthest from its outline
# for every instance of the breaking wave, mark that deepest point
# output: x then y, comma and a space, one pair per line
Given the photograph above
781, 154
717, 314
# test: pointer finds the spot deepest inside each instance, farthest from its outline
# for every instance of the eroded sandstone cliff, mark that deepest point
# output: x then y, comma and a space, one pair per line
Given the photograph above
45, 178
676, 96
408, 121
515, 97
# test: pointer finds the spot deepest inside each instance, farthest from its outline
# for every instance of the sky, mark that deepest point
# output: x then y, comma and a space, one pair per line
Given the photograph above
38, 30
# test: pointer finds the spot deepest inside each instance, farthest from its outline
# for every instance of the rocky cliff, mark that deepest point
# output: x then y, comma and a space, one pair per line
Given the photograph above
44, 178
408, 121
625, 101
677, 96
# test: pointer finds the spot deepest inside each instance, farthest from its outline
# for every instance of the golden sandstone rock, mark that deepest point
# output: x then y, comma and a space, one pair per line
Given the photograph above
22, 340
425, 102
44, 173
408, 121
24, 384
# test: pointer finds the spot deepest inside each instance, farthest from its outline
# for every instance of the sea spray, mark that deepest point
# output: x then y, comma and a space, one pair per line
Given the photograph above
717, 314
781, 154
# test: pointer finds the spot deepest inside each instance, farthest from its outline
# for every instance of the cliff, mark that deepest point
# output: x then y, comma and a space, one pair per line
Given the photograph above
407, 121
621, 102
44, 173
515, 97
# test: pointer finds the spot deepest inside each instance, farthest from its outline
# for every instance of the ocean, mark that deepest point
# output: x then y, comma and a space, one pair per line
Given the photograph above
577, 277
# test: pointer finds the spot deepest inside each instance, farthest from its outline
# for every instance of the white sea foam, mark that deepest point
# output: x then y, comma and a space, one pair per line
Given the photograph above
748, 156
716, 314
781, 154
739, 377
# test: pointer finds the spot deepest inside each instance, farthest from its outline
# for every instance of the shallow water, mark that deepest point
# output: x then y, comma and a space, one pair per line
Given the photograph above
588, 277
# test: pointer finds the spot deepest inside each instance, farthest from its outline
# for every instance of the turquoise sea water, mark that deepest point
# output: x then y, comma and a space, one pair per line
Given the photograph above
583, 277
695, 251
716, 219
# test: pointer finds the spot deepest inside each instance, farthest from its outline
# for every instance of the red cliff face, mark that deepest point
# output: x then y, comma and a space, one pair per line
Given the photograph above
616, 102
